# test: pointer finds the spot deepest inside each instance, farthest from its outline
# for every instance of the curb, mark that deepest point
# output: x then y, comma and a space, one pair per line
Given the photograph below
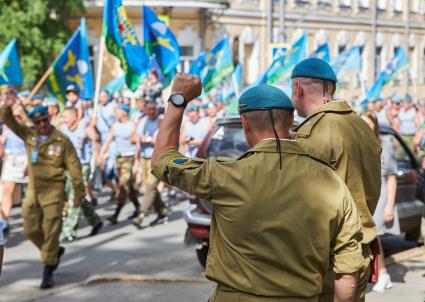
405, 255
136, 278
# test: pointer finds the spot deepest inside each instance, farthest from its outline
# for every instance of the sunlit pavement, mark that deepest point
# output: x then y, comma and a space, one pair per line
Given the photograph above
144, 265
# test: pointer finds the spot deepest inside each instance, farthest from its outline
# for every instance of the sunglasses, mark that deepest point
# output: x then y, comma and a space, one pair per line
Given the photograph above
43, 120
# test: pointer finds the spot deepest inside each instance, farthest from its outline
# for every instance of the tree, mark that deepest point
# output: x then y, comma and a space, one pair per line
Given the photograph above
40, 28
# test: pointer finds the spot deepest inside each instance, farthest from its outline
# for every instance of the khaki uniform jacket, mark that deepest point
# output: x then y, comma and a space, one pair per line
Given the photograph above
274, 232
338, 136
55, 156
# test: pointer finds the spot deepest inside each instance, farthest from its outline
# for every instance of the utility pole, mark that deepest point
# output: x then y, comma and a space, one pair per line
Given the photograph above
407, 46
282, 11
374, 23
269, 14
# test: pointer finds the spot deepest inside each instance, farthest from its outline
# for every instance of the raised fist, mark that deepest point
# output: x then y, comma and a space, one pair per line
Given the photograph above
188, 85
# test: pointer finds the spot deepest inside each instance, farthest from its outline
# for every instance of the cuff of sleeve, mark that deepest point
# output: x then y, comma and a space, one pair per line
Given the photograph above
348, 262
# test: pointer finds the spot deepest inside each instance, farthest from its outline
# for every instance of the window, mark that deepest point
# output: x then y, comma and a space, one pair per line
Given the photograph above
186, 57
341, 48
345, 4
381, 5
378, 60
363, 4
301, 3
324, 4
397, 6
415, 6
398, 76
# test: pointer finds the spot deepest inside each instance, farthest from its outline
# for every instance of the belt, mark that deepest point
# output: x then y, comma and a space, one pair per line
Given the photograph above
126, 154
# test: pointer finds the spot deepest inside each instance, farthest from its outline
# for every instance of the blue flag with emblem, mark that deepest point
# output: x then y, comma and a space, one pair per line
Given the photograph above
218, 65
10, 69
160, 41
397, 63
73, 67
280, 69
348, 61
322, 52
198, 65
121, 41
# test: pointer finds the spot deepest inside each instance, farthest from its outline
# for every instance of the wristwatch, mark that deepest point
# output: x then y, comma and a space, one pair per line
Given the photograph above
178, 100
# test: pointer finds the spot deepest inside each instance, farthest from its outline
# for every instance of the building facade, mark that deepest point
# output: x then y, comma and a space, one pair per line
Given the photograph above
379, 27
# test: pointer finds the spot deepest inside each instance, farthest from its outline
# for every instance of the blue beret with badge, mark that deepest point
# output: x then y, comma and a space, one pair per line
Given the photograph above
72, 88
124, 107
314, 68
38, 96
51, 102
23, 94
262, 97
38, 111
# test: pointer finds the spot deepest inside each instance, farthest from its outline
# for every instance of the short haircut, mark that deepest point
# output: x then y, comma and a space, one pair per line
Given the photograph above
261, 122
317, 85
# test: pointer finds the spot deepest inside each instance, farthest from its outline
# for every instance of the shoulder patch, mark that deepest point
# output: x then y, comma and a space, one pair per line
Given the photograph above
179, 160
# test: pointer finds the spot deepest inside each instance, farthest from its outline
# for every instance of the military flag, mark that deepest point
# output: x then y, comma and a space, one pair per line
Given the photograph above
198, 65
160, 41
280, 69
122, 42
322, 52
218, 65
72, 67
348, 61
10, 69
397, 63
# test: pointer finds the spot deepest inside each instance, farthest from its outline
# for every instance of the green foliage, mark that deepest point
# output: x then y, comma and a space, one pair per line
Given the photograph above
40, 28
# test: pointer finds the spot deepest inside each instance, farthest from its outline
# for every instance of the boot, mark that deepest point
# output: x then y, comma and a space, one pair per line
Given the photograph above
47, 281
96, 229
114, 218
136, 209
61, 251
137, 222
161, 218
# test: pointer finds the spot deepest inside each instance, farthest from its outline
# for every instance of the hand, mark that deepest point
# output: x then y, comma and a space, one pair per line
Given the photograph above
78, 202
188, 85
10, 100
388, 214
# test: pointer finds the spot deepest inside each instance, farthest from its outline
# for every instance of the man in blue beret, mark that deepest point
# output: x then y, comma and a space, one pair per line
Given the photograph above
50, 154
272, 236
333, 132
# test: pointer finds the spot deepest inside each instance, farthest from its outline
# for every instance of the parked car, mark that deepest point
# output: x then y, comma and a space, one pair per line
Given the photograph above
227, 139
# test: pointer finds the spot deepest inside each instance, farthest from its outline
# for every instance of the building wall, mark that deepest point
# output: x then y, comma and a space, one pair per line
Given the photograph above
341, 23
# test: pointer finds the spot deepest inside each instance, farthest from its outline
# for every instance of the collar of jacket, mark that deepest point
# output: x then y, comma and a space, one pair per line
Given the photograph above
316, 115
269, 146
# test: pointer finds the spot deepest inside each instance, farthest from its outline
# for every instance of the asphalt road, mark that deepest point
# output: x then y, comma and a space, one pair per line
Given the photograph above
153, 264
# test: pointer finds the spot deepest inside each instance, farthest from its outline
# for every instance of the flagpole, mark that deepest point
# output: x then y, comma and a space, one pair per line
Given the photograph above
99, 74
40, 82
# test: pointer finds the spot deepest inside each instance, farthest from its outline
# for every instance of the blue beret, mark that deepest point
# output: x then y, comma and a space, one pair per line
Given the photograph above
51, 102
192, 108
38, 96
72, 88
124, 107
262, 97
408, 98
23, 94
314, 68
37, 111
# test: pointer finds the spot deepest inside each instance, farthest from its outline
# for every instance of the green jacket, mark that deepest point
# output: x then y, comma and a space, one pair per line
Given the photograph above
55, 156
338, 136
274, 233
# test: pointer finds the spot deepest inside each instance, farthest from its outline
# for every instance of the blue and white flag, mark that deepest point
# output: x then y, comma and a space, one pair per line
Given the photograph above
322, 52
348, 61
10, 69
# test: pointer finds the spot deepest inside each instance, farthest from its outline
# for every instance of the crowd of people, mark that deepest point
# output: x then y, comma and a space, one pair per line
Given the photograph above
114, 143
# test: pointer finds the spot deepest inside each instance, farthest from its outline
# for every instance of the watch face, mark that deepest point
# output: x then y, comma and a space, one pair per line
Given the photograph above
177, 99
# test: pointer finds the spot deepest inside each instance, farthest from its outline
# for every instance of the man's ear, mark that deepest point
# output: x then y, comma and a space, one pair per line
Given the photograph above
245, 124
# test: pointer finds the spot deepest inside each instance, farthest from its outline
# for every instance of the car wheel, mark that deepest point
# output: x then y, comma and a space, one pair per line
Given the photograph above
202, 254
